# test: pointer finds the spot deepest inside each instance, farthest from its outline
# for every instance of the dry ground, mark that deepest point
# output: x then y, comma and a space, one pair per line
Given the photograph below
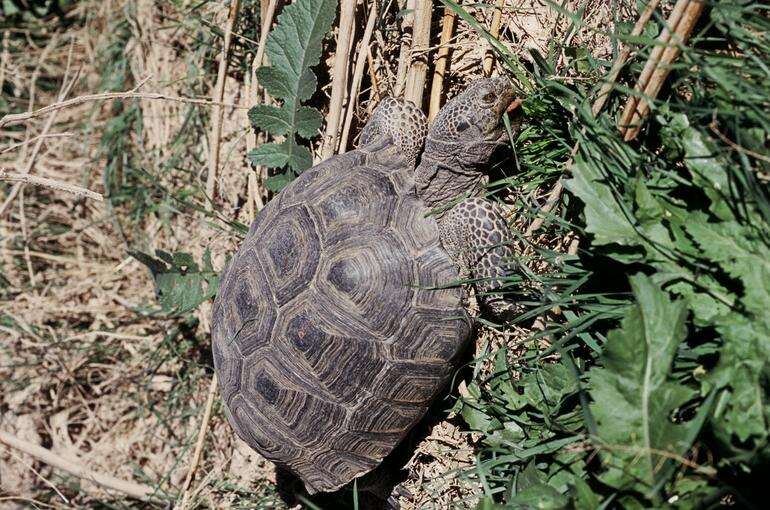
82, 373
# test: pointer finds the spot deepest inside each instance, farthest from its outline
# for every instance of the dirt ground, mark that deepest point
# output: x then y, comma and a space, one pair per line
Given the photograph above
83, 372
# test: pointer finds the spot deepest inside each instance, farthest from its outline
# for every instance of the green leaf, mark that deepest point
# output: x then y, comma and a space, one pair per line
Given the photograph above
309, 121
293, 47
180, 283
272, 119
541, 497
270, 155
634, 394
605, 217
741, 252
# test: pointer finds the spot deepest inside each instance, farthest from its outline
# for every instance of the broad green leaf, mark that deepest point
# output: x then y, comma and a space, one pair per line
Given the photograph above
309, 121
270, 155
278, 155
634, 394
744, 370
540, 497
741, 252
272, 119
605, 218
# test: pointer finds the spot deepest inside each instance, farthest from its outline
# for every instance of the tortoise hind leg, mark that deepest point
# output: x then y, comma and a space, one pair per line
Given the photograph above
477, 238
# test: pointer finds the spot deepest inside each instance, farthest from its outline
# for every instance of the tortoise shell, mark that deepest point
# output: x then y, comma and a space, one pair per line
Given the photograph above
330, 336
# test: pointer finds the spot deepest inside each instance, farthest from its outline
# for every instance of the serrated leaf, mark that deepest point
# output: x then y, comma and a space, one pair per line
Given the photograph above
634, 394
278, 85
269, 155
270, 118
605, 218
309, 121
293, 47
276, 183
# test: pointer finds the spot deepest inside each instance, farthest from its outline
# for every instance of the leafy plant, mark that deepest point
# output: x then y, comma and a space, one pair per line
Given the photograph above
655, 389
293, 47
180, 283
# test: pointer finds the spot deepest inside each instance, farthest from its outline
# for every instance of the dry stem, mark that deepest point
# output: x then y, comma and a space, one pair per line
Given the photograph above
50, 183
494, 30
133, 489
358, 74
682, 31
199, 444
418, 71
16, 118
652, 63
339, 81
442, 62
218, 114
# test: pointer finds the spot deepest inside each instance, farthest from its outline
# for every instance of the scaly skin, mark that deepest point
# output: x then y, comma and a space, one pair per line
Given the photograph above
473, 231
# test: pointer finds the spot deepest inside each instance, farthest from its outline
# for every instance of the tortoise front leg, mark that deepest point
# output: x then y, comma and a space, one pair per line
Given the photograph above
478, 240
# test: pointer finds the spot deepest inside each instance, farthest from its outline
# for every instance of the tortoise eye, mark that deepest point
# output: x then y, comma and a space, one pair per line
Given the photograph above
488, 97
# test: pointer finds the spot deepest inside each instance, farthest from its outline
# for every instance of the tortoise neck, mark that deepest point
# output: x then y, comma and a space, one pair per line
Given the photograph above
440, 182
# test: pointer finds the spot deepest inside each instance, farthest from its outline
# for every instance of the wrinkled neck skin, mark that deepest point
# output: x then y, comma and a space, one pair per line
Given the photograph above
448, 172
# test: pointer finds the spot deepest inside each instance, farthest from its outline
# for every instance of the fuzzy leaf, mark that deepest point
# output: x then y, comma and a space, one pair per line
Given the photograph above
309, 121
278, 155
634, 394
272, 119
269, 155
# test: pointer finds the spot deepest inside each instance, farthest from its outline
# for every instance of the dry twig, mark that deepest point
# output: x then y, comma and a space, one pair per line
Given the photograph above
50, 183
442, 63
358, 73
640, 105
199, 444
218, 113
133, 489
16, 118
494, 30
267, 10
339, 80
418, 70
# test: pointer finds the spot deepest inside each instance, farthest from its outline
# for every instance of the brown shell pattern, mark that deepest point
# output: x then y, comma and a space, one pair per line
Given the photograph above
329, 337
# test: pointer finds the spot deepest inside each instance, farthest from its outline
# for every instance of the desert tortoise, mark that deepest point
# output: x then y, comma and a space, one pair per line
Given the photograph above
334, 326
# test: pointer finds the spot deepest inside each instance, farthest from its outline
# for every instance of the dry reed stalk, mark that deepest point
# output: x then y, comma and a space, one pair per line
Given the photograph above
682, 33
609, 83
50, 183
418, 70
358, 74
494, 30
442, 62
339, 80
404, 55
253, 199
199, 443
133, 489
555, 194
217, 115
651, 65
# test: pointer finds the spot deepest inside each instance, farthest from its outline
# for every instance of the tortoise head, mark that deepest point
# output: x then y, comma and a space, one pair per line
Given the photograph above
399, 122
469, 127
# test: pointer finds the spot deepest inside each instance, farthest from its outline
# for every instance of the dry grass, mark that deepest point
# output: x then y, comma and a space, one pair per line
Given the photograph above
81, 371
